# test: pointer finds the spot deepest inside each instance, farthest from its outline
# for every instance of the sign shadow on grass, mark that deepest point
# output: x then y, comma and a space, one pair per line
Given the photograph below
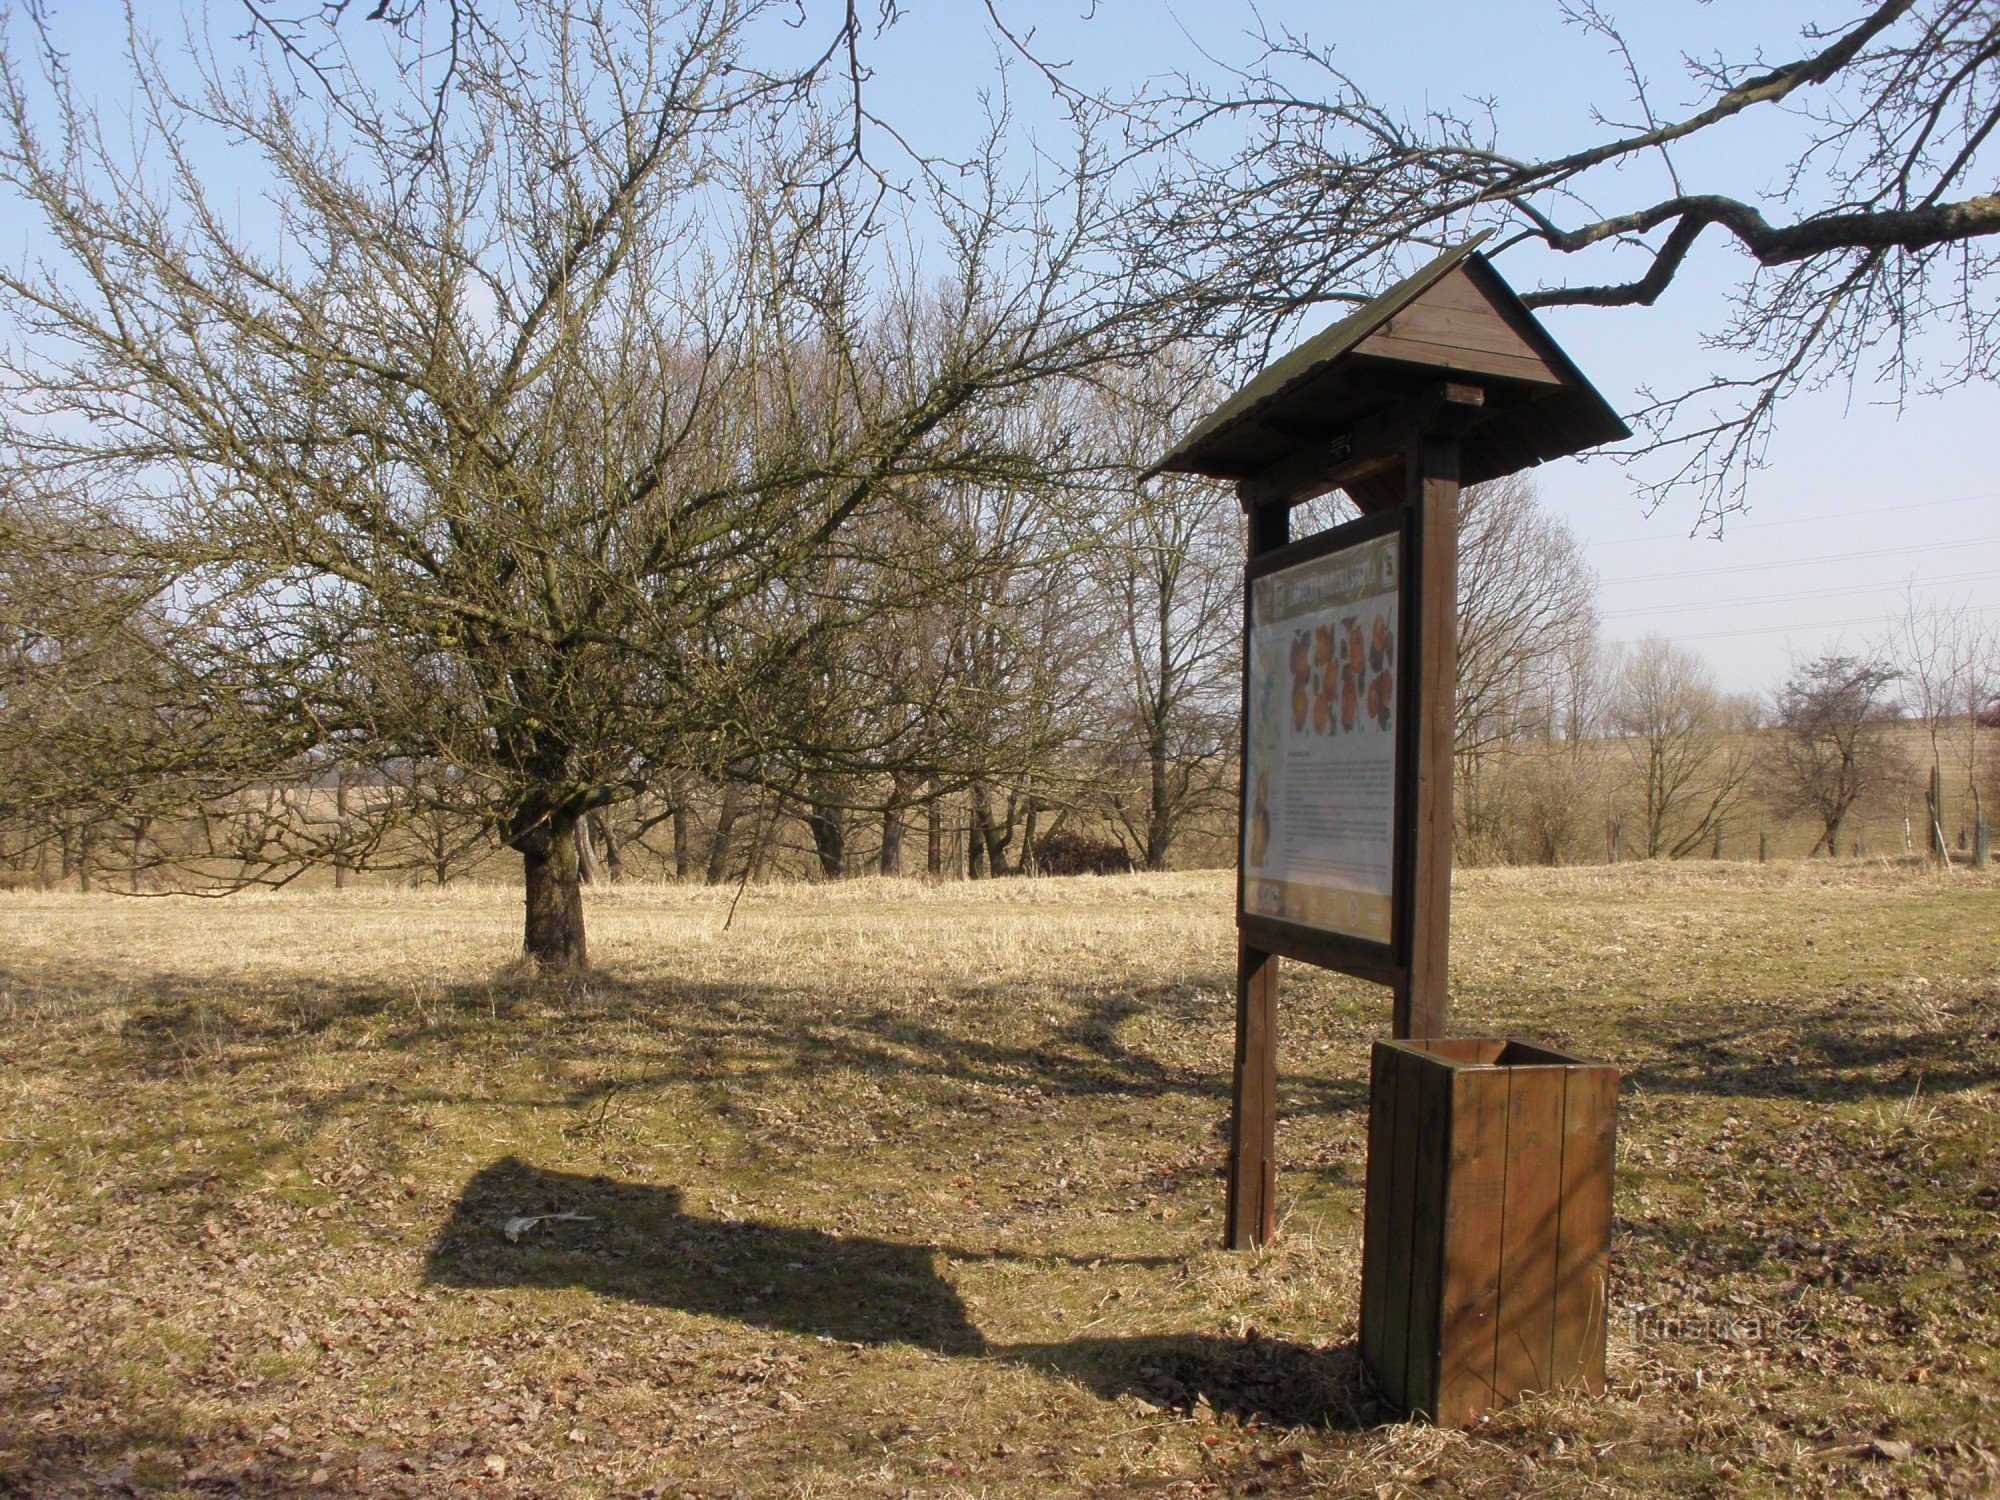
636, 1243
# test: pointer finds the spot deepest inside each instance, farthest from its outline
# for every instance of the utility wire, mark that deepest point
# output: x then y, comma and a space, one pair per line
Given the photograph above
1835, 515
1869, 554
1802, 628
1755, 599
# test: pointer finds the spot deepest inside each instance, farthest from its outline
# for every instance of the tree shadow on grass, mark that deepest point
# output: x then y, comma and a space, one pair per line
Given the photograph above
635, 1243
1842, 1048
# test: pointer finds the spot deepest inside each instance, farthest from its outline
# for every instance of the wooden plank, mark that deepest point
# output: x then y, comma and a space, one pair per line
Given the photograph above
1395, 1367
1461, 1049
1427, 1230
1459, 358
1475, 1200
1374, 962
1583, 1248
1525, 1329
1251, 1216
1455, 324
1532, 1052
1421, 1002
1380, 440
1383, 1072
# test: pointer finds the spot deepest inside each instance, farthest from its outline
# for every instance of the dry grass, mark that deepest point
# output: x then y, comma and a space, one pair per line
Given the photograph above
898, 1189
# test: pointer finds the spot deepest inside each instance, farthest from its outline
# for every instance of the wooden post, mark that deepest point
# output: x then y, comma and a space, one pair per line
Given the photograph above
1934, 805
1251, 1211
1253, 1124
1421, 1000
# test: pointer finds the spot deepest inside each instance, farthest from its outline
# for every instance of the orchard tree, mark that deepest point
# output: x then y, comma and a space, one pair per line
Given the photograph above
498, 437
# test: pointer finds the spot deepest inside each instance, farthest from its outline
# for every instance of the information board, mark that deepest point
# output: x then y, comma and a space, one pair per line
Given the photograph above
1322, 734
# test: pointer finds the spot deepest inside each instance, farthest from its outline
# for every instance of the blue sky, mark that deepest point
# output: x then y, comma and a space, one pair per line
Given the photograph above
1859, 503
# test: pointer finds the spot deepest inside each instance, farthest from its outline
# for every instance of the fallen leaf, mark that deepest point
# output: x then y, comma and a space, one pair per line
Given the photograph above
520, 1224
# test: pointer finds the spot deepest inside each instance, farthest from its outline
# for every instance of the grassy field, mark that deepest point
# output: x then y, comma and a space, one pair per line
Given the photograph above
897, 1189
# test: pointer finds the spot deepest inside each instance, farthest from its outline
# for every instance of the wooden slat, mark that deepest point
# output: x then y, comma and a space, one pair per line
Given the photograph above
1459, 358
1456, 314
1525, 1330
1427, 1230
1395, 1367
1379, 441
1474, 1197
1531, 1052
1322, 950
1383, 1072
1583, 1252
1460, 1049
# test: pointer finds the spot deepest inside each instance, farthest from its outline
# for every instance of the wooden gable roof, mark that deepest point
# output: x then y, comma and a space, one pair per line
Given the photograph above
1456, 318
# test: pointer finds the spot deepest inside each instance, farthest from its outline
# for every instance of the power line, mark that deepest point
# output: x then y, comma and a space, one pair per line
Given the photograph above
1755, 599
1836, 515
1805, 562
1719, 635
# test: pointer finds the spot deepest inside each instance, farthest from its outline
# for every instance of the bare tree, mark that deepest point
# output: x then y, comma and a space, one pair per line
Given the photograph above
1687, 744
1166, 568
1527, 616
107, 734
1291, 184
1948, 660
504, 455
1836, 742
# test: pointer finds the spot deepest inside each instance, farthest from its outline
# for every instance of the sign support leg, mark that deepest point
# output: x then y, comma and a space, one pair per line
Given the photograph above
1431, 479
1251, 1213
1253, 1123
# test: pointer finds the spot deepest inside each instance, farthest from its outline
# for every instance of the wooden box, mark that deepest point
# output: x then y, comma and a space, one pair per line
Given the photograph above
1487, 1237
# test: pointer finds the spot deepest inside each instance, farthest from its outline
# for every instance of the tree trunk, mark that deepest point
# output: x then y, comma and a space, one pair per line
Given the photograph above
725, 819
892, 839
340, 831
683, 847
766, 836
589, 869
828, 826
975, 839
1160, 811
987, 851
614, 862
554, 886
934, 835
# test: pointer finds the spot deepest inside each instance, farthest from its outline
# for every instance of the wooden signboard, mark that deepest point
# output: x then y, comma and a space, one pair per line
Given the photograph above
1328, 750
1350, 644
